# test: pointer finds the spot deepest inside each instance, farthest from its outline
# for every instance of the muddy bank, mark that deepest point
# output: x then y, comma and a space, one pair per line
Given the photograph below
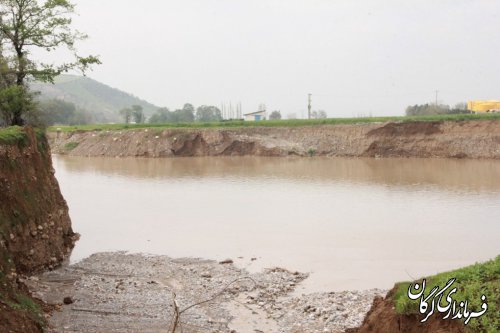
118, 292
383, 318
35, 228
445, 139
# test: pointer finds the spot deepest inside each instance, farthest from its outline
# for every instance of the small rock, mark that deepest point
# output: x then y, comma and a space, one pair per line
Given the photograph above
226, 262
68, 300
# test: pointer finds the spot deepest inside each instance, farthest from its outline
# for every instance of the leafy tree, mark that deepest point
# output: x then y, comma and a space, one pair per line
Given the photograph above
184, 115
460, 108
164, 115
138, 114
319, 114
161, 116
275, 115
433, 109
207, 113
126, 113
32, 24
15, 101
55, 111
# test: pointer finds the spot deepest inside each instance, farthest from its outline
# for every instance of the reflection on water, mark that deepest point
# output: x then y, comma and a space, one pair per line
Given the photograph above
353, 223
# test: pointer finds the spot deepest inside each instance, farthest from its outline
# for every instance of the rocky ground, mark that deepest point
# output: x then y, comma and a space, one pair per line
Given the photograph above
119, 292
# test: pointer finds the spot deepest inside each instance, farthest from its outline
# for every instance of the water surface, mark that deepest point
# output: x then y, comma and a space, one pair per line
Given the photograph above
352, 223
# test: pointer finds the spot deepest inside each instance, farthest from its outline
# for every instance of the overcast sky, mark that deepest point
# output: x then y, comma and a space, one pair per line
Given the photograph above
357, 57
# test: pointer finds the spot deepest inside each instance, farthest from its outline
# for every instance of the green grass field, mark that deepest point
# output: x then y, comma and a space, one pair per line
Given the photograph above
277, 123
472, 282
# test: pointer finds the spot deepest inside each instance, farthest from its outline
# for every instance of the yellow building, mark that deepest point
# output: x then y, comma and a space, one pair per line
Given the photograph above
483, 106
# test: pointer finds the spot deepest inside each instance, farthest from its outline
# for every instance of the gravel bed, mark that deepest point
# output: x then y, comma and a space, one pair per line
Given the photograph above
120, 292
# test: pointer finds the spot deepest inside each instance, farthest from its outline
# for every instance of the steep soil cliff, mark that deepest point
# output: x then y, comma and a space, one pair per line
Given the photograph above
459, 139
35, 228
382, 318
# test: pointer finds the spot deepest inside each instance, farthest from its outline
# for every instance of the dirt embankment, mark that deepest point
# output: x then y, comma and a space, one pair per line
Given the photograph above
382, 317
35, 228
456, 139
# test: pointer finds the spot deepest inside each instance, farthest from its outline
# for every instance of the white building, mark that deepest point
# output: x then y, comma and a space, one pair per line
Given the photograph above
255, 116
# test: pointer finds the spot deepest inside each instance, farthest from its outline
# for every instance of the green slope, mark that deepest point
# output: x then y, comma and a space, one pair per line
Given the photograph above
91, 95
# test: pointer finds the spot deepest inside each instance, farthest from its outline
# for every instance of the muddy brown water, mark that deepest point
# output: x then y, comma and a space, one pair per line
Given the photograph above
351, 223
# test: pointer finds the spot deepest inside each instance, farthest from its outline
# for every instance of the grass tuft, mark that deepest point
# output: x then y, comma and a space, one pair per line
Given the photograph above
70, 145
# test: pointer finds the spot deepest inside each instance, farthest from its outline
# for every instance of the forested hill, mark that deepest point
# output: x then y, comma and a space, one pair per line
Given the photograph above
91, 95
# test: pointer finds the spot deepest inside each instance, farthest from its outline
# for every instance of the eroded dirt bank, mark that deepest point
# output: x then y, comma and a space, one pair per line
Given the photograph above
35, 228
447, 139
118, 292
383, 318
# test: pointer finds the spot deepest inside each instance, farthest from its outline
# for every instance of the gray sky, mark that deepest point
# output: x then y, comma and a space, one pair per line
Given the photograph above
357, 57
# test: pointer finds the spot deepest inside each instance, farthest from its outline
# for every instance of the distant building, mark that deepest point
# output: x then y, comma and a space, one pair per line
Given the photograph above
483, 106
255, 116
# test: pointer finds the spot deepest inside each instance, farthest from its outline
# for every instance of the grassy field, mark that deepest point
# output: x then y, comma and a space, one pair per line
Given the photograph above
472, 282
277, 123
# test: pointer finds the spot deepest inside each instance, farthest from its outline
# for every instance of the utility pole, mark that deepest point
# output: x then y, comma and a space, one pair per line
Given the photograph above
437, 91
309, 107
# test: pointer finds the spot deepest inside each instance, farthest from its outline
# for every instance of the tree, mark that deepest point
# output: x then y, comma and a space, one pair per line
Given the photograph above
164, 115
319, 114
185, 115
137, 114
126, 113
275, 115
15, 101
37, 24
59, 112
161, 116
433, 109
207, 113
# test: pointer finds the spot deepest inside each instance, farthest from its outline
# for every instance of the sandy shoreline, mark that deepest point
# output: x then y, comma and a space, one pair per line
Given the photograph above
132, 292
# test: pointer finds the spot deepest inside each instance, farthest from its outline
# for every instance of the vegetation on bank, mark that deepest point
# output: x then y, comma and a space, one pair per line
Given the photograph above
71, 145
15, 135
12, 135
277, 123
472, 282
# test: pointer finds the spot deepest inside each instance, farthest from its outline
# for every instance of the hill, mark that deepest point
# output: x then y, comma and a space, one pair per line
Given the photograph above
91, 95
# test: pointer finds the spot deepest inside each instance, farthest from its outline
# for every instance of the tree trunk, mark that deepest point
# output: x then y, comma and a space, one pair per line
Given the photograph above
17, 120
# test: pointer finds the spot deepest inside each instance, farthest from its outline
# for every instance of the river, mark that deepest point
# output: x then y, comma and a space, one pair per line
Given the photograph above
351, 223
